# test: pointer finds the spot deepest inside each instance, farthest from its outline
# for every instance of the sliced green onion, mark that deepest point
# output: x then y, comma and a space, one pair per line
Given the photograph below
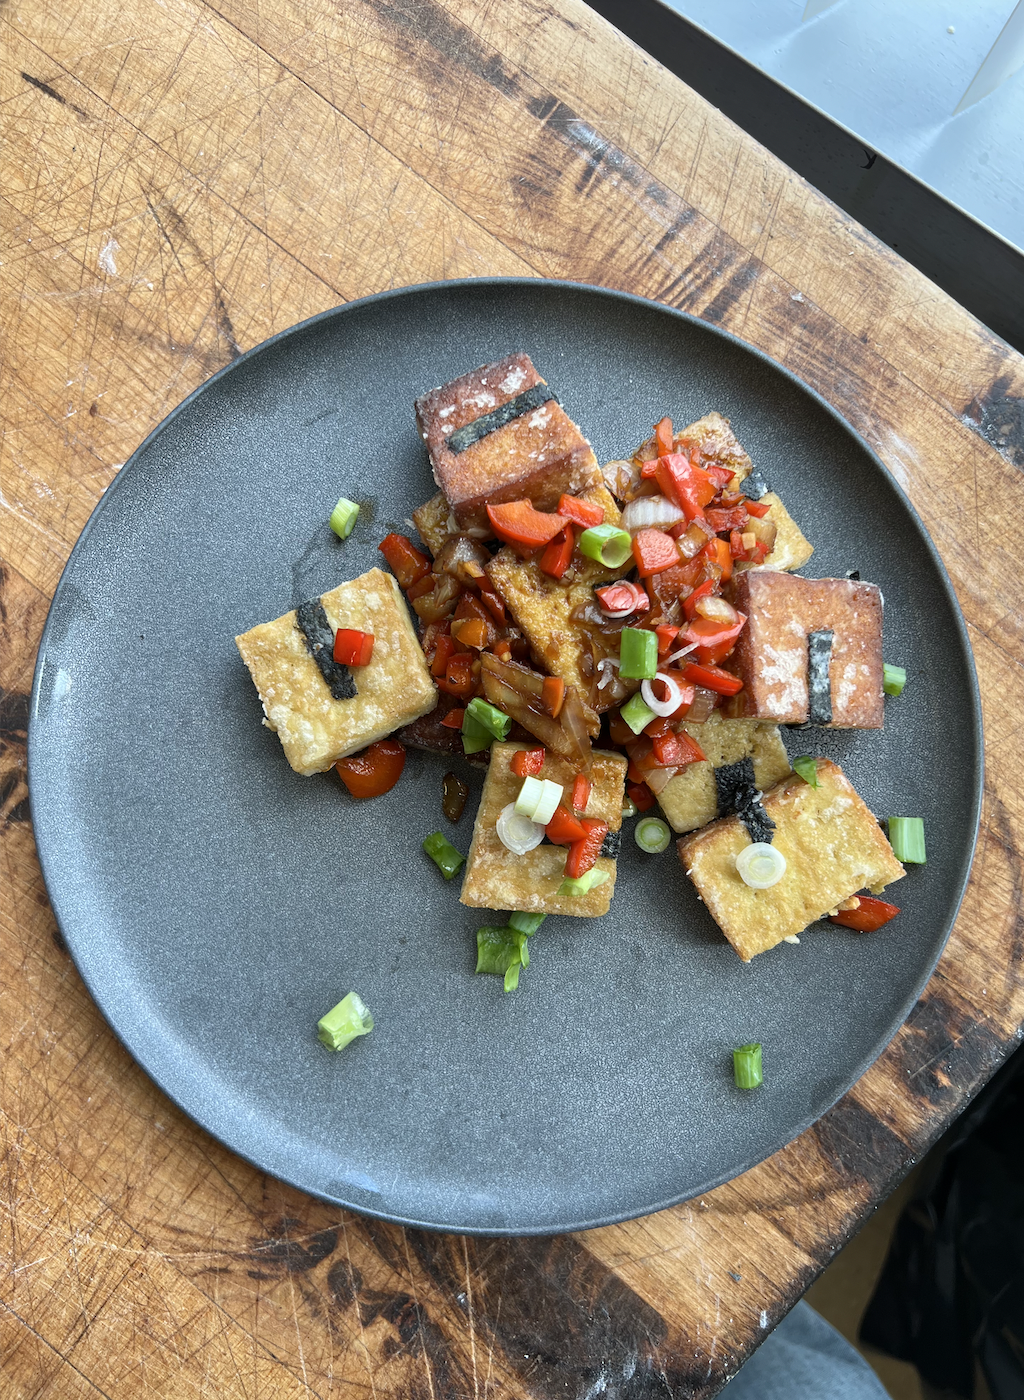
343, 518
760, 866
638, 655
443, 854
583, 884
746, 1066
475, 737
807, 768
637, 713
529, 795
526, 923
607, 544
538, 798
894, 678
906, 837
517, 833
502, 951
652, 835
495, 721
629, 808
344, 1022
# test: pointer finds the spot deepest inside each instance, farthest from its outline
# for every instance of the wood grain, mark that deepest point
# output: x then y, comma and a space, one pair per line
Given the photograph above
181, 181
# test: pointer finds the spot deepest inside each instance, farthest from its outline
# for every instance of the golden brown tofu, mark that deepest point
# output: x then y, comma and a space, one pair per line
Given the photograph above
497, 879
791, 549
691, 799
435, 523
315, 729
543, 609
771, 656
536, 456
833, 847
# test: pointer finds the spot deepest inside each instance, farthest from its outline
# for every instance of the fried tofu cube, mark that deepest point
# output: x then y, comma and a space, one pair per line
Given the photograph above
435, 523
690, 800
771, 656
536, 454
833, 847
394, 688
497, 879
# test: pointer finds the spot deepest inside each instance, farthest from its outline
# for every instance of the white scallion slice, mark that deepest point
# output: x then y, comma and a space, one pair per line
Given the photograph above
529, 795
673, 696
550, 798
516, 833
760, 866
343, 518
583, 884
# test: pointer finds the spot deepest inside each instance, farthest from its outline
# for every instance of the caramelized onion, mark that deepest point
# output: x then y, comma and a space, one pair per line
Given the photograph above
705, 702
716, 609
519, 692
694, 540
459, 552
650, 513
658, 779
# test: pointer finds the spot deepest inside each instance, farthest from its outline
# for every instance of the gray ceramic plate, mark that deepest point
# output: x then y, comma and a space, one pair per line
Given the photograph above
217, 904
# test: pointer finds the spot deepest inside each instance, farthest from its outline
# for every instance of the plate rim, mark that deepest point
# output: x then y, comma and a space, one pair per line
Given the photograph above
963, 647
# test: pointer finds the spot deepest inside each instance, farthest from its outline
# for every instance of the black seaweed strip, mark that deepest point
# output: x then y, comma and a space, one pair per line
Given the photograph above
753, 486
737, 792
490, 423
759, 824
819, 684
612, 845
311, 621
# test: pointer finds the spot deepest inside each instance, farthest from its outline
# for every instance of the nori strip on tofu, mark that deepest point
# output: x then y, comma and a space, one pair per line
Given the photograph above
819, 685
311, 621
753, 485
491, 422
612, 845
737, 792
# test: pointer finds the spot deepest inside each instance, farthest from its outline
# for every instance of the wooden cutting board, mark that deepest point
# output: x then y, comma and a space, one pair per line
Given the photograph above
182, 180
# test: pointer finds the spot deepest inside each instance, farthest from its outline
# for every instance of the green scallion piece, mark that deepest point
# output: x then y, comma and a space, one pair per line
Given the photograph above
344, 1022
629, 807
495, 721
652, 835
637, 713
343, 518
443, 854
894, 678
502, 951
807, 768
607, 544
746, 1066
474, 736
906, 837
583, 884
638, 655
526, 923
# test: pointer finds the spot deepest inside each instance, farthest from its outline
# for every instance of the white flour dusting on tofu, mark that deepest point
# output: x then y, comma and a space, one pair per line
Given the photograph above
512, 380
539, 418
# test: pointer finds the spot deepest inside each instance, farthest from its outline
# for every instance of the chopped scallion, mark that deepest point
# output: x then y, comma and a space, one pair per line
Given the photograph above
343, 518
746, 1066
637, 713
894, 678
475, 737
583, 884
526, 923
629, 808
538, 798
607, 544
652, 835
495, 721
443, 854
906, 837
344, 1022
502, 951
638, 655
807, 768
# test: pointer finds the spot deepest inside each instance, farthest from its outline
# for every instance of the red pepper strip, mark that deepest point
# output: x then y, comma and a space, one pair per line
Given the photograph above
666, 636
581, 790
453, 719
552, 695
654, 551
641, 796
458, 677
676, 750
662, 724
527, 763
617, 597
517, 522
871, 914
557, 554
421, 587
719, 553
564, 829
703, 590
690, 487
663, 437
583, 854
724, 520
444, 653
353, 648
649, 470
712, 678
758, 508
471, 632
715, 639
721, 476
406, 562
586, 514
375, 770
493, 602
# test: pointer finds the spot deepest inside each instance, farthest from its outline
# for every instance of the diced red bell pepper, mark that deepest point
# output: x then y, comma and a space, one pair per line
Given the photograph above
552, 695
665, 588
661, 724
723, 520
715, 639
641, 796
620, 597
520, 523
745, 546
420, 587
583, 854
352, 648
581, 790
375, 770
666, 635
586, 514
557, 554
719, 553
458, 678
712, 678
406, 562
703, 590
676, 750
663, 437
758, 508
690, 487
471, 632
444, 653
721, 476
527, 763
494, 603
563, 828
502, 649
654, 551
870, 914
453, 719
